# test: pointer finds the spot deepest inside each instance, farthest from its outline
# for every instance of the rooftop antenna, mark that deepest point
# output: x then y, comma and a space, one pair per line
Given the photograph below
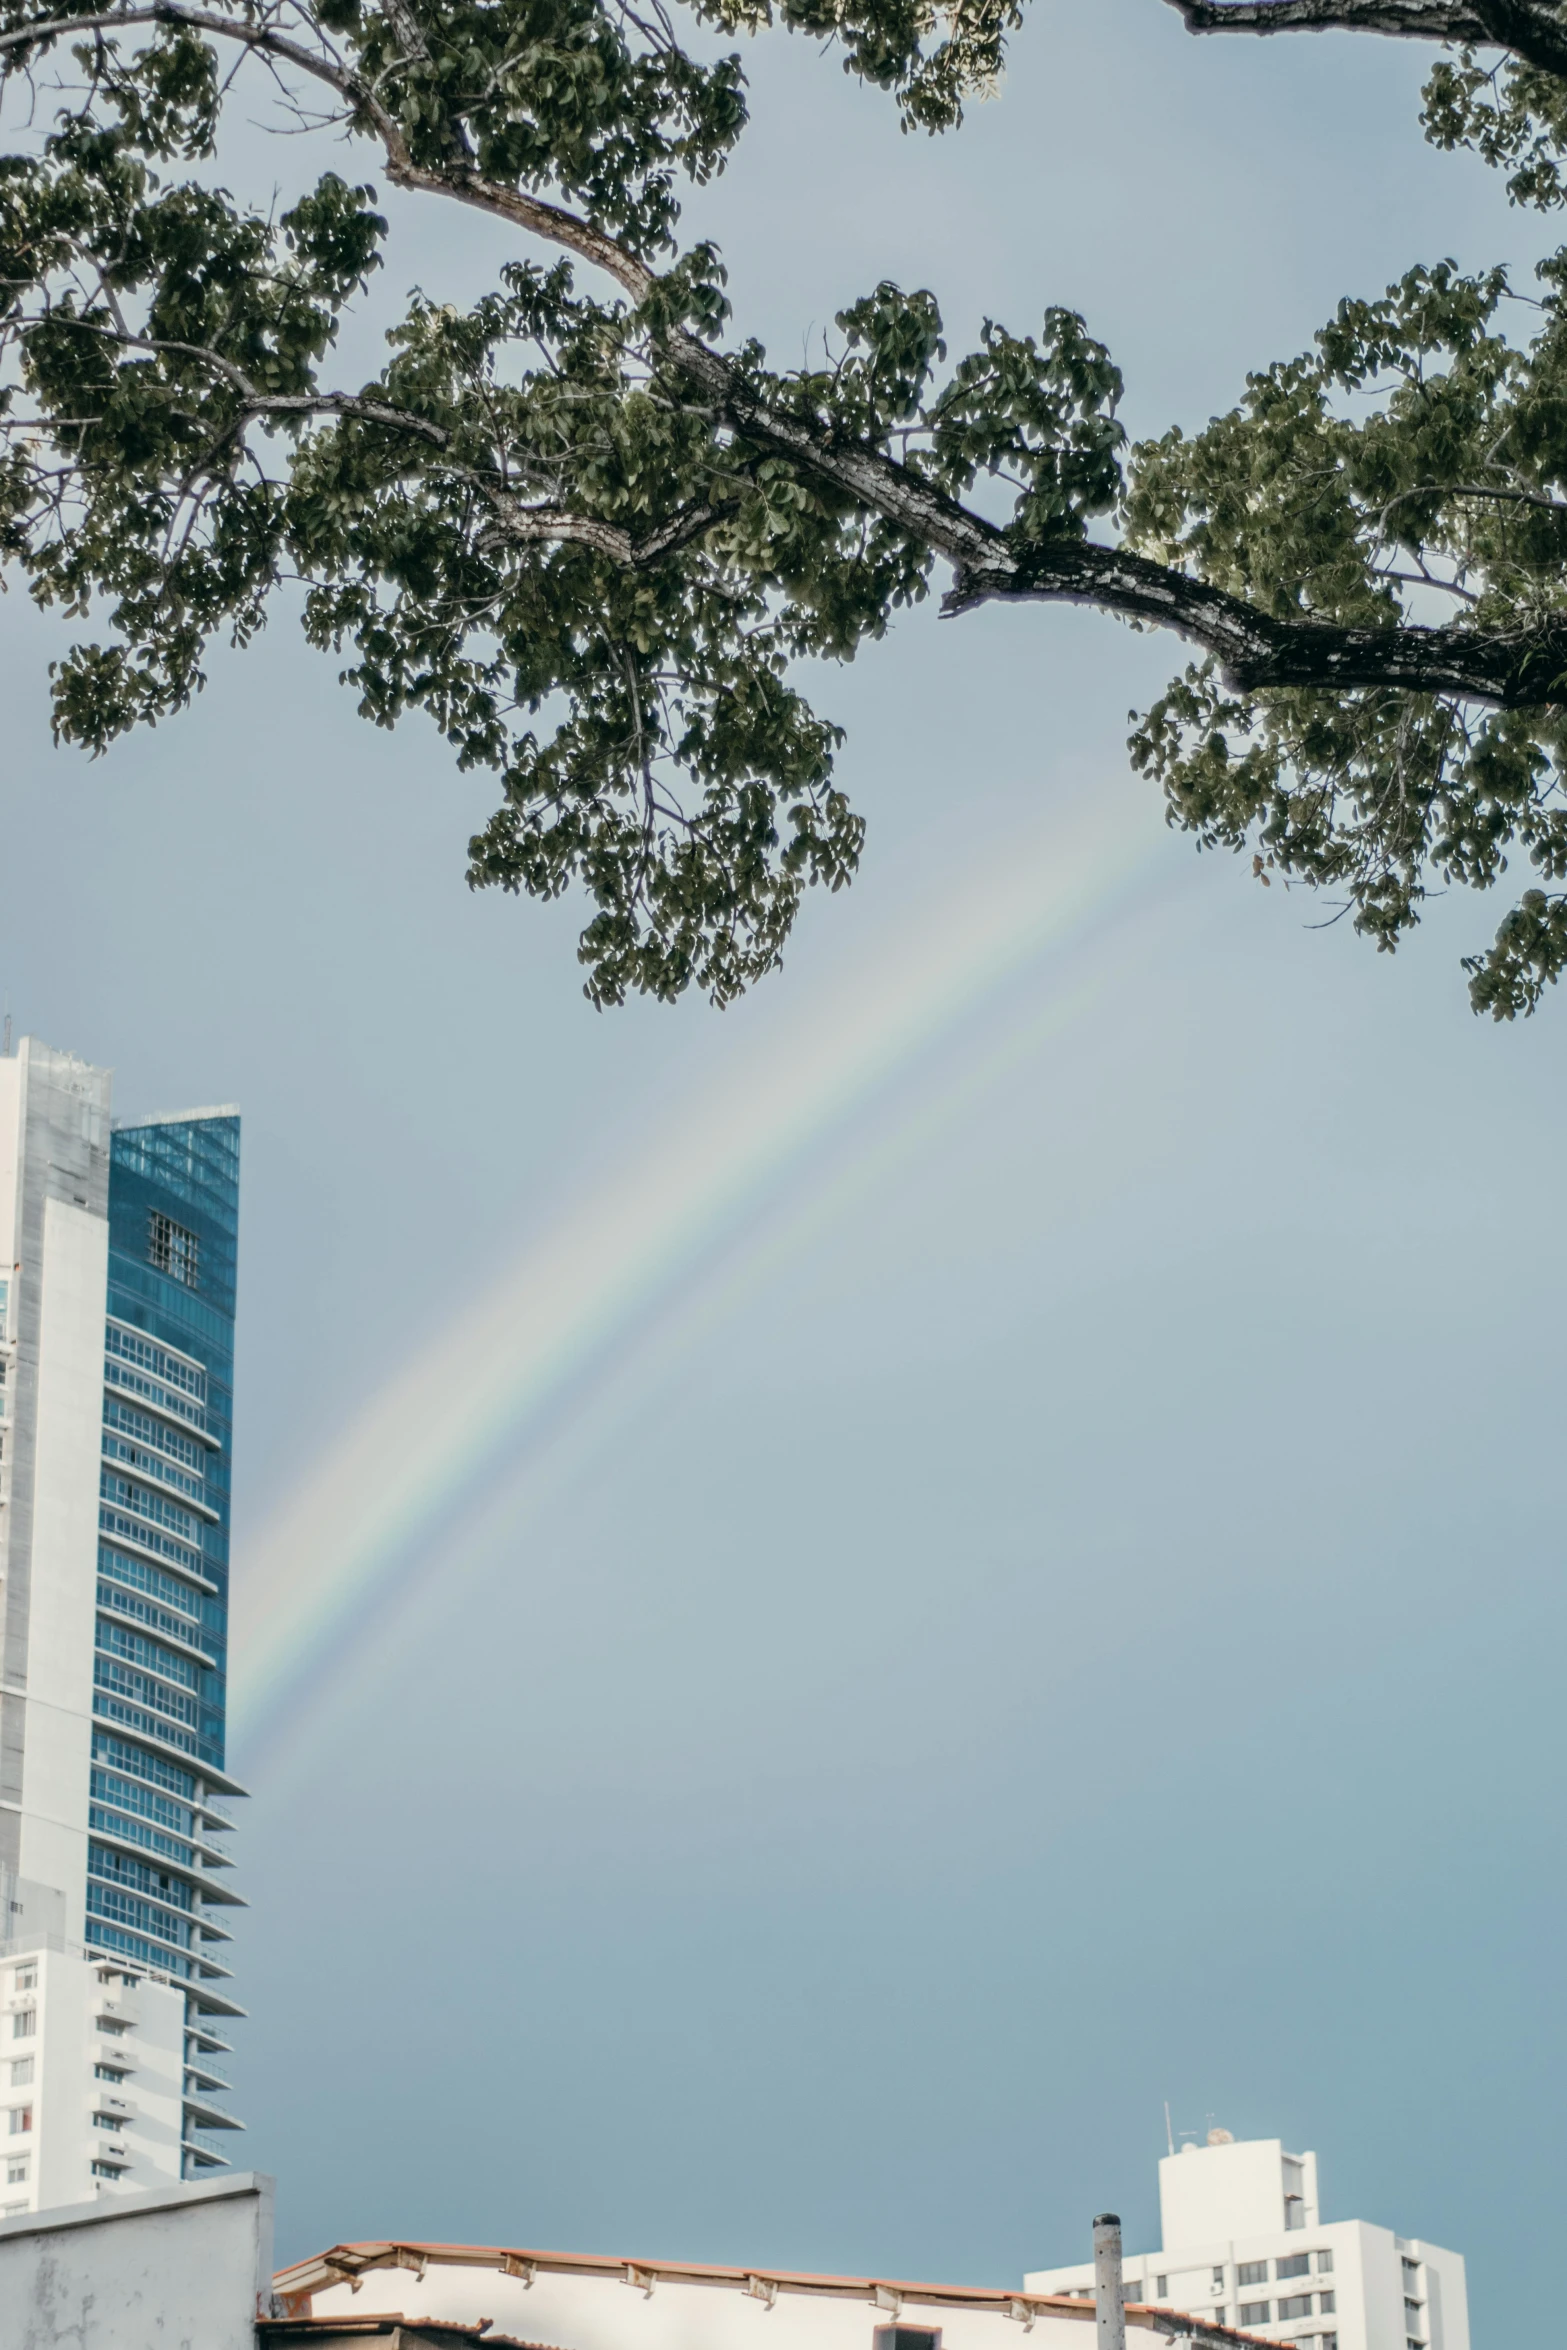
1169, 2134
5, 1033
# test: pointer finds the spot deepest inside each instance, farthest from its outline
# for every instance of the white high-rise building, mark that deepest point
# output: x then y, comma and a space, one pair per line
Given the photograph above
1245, 2245
117, 1260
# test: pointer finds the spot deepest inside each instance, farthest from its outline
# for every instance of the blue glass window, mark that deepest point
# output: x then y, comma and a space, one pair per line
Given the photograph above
113, 1521
155, 1769
115, 1639
155, 1433
140, 1575
168, 1369
144, 1502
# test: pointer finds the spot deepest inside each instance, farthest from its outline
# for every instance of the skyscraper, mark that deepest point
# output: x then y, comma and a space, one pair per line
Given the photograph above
117, 1288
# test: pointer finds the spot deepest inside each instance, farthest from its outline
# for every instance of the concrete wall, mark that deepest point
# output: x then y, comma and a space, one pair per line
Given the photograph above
1210, 2192
178, 2271
54, 1203
11, 1707
57, 1760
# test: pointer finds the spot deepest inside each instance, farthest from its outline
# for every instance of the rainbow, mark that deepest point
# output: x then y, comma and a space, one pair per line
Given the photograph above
421, 1447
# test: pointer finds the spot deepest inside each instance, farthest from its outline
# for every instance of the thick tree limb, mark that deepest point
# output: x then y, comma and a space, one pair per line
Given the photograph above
1415, 20
866, 474
1522, 669
550, 221
1532, 29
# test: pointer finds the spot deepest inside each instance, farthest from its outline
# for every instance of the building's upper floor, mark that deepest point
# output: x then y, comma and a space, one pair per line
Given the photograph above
1244, 2244
1235, 2187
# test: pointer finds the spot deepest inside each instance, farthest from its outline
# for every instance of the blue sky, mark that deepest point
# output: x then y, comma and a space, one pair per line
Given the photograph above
1061, 1610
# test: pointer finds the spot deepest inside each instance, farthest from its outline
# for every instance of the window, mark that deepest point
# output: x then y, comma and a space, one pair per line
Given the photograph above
115, 2031
1327, 2303
108, 2072
25, 1979
170, 1368
1131, 2292
1411, 2311
907, 2338
142, 1502
21, 2072
1327, 2342
142, 1765
1297, 2305
1411, 2269
107, 2170
108, 2121
1253, 2313
1297, 2265
1161, 2286
24, 2023
128, 1795
1324, 2264
1218, 2280
172, 1249
1218, 2317
1252, 2272
21, 2120
16, 2174
165, 1443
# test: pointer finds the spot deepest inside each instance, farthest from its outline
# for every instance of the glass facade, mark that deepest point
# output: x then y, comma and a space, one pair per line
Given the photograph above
160, 1671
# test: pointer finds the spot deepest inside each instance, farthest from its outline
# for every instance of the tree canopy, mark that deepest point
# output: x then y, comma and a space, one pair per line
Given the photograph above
592, 532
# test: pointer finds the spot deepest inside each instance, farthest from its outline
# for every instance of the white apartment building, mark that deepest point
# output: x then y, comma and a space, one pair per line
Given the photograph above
99, 2051
1245, 2245
117, 1250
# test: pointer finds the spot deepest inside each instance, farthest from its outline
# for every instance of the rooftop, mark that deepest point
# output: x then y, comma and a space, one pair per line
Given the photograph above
347, 2263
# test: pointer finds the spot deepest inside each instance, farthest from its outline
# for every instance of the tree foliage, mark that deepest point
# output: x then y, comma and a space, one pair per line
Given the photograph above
591, 531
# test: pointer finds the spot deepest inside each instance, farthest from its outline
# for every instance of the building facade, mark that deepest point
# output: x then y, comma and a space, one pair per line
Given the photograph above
117, 1295
588, 2301
1245, 2245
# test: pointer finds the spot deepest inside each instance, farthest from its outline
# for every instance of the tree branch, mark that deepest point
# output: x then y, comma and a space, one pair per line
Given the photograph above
1415, 20
550, 221
554, 524
866, 474
1531, 29
1521, 669
264, 37
263, 404
457, 179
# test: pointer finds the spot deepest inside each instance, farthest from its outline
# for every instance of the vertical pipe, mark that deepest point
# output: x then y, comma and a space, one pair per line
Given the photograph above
1109, 2308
